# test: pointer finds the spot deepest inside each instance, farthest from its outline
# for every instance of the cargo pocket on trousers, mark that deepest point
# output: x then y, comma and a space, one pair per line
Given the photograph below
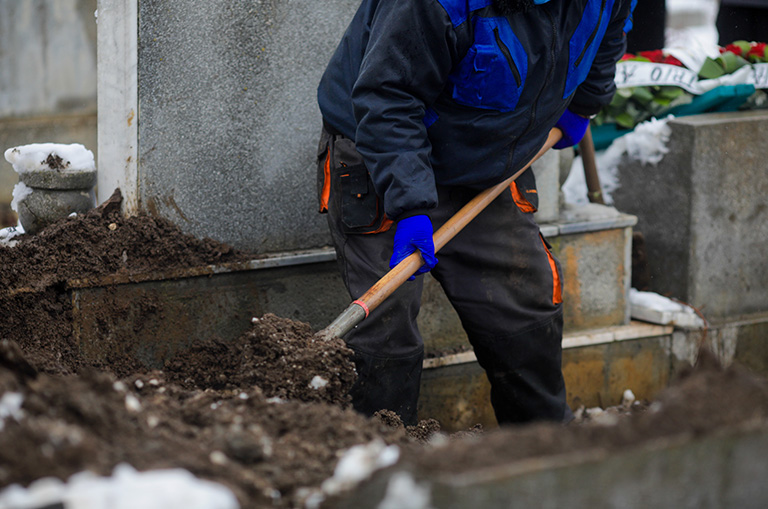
361, 209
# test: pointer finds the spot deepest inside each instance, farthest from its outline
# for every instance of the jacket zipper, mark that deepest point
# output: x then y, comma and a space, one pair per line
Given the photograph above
547, 80
591, 36
505, 51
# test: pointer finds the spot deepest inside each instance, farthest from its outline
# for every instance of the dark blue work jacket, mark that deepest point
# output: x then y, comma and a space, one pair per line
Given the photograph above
450, 92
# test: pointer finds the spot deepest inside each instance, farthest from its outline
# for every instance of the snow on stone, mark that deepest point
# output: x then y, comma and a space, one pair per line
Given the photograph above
125, 489
655, 308
358, 463
10, 406
33, 157
8, 234
20, 191
318, 382
404, 493
647, 143
574, 213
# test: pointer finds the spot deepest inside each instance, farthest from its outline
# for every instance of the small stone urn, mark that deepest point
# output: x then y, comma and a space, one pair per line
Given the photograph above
54, 181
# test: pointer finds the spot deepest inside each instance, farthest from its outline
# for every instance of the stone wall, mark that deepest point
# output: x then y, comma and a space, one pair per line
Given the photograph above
703, 212
220, 131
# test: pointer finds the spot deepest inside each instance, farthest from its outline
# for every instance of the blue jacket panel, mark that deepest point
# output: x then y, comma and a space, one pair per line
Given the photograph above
450, 92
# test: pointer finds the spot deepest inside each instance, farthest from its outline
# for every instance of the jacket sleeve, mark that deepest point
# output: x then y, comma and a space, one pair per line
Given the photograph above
405, 67
598, 89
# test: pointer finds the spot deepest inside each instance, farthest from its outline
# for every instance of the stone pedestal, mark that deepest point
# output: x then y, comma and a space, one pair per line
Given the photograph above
42, 207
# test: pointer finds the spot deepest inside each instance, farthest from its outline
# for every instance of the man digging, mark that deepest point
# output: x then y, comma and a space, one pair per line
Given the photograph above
425, 103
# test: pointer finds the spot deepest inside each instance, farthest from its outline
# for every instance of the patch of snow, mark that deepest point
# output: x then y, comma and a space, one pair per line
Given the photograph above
404, 493
654, 301
587, 212
125, 489
10, 406
318, 382
20, 191
7, 235
655, 308
627, 398
33, 157
647, 143
358, 463
132, 403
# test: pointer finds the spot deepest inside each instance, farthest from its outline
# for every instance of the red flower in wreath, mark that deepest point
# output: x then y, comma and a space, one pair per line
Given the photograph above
757, 50
656, 55
670, 60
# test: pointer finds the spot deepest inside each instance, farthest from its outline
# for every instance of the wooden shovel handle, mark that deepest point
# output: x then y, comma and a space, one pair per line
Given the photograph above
392, 280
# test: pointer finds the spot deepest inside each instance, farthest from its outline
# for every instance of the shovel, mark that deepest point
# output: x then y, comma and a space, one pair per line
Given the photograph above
359, 309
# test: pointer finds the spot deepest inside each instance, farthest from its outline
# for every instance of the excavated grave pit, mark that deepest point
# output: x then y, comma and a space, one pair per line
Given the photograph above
268, 414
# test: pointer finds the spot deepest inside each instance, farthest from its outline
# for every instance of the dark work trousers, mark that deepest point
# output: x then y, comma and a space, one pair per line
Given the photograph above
497, 273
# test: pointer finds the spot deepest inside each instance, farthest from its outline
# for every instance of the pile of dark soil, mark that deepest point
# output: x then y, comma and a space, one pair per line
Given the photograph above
269, 451
267, 414
37, 312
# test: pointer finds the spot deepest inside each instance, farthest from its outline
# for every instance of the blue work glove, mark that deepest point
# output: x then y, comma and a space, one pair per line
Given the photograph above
573, 127
414, 233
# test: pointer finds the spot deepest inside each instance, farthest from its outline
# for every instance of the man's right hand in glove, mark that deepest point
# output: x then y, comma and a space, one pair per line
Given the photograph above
414, 233
573, 127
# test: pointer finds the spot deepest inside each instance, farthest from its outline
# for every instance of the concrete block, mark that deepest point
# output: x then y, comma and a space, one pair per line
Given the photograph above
716, 471
703, 212
547, 172
725, 469
594, 250
595, 259
752, 344
598, 375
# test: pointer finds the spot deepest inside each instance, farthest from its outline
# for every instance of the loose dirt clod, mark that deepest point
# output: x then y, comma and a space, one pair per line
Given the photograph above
55, 162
